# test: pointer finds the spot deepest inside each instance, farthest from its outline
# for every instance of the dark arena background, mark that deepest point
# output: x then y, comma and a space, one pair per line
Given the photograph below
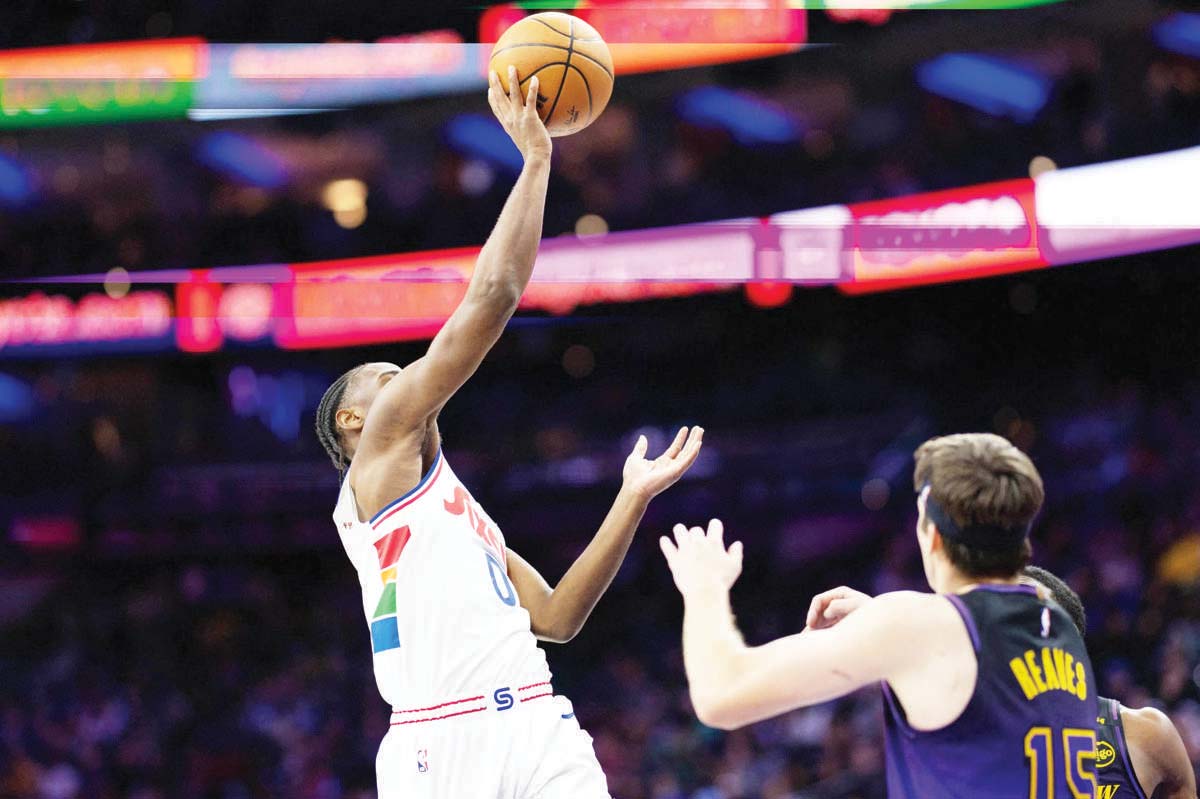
824, 233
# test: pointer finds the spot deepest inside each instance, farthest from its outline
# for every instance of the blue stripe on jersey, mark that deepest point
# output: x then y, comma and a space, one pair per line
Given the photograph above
385, 635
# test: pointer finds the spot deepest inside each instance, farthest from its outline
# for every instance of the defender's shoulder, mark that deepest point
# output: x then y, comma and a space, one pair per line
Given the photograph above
1159, 756
912, 610
908, 600
1147, 726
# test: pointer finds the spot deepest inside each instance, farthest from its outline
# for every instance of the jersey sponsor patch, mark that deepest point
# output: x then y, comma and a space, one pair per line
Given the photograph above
1106, 755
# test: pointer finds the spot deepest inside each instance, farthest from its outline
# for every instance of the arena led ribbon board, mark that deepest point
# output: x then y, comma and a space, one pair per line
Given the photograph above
651, 36
957, 234
190, 78
99, 83
264, 79
42, 324
580, 7
1062, 217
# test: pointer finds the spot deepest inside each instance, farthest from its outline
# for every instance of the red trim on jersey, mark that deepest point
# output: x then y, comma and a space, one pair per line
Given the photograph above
537, 696
438, 707
535, 685
439, 718
437, 472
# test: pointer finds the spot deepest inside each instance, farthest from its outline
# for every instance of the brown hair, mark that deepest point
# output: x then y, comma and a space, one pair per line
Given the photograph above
981, 479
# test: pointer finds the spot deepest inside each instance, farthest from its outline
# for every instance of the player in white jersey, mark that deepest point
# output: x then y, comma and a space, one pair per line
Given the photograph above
454, 615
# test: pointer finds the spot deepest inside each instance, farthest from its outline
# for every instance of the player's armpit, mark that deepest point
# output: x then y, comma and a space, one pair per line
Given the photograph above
866, 647
1159, 757
422, 388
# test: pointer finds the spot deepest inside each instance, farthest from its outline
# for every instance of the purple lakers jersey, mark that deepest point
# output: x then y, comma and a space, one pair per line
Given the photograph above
1029, 728
1114, 770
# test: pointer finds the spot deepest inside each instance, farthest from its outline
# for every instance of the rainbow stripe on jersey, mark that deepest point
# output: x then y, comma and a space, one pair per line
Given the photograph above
385, 630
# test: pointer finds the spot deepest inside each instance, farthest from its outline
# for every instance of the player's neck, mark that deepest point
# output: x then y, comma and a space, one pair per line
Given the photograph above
957, 583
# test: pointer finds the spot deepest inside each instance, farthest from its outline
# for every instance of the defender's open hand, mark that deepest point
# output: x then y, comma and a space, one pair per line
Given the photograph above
699, 560
830, 607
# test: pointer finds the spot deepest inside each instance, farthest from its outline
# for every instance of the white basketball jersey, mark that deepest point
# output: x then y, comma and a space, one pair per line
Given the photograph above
444, 618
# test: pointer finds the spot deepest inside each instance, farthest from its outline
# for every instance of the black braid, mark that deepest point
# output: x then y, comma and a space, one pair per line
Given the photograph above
326, 424
1061, 593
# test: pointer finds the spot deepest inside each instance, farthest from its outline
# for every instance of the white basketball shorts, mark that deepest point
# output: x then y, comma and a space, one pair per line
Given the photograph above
515, 744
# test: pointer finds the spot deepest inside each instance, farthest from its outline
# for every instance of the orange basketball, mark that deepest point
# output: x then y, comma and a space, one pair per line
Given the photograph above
572, 64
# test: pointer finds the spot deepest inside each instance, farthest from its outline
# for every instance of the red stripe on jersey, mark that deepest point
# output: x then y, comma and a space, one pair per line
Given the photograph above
439, 718
414, 497
391, 545
535, 685
438, 707
539, 696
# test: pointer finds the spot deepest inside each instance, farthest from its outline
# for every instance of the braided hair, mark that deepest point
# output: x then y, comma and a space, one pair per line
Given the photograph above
1061, 593
326, 423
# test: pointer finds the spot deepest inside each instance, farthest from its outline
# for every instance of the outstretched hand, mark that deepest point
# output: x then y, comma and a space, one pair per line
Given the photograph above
518, 115
649, 478
699, 561
830, 607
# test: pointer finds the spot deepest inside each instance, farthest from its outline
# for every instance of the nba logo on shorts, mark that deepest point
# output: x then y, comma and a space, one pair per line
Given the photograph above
422, 760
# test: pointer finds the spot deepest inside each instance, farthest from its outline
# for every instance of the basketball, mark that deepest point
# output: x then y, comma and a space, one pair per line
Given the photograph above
571, 61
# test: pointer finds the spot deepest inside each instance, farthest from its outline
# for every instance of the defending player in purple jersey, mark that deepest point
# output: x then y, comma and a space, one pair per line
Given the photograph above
1139, 753
989, 690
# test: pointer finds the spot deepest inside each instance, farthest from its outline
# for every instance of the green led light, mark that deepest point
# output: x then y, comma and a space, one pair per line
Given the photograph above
549, 5
26, 102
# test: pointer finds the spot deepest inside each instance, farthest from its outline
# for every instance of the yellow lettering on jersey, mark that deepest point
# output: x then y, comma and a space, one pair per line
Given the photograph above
1052, 681
1022, 674
1049, 669
1106, 791
1035, 671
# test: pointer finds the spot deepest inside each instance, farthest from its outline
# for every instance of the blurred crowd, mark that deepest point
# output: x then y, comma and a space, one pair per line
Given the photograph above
223, 678
204, 636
